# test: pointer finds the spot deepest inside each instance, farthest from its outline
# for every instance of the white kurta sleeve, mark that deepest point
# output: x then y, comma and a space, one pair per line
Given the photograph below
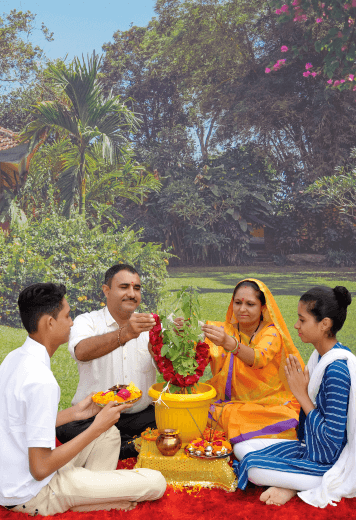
83, 328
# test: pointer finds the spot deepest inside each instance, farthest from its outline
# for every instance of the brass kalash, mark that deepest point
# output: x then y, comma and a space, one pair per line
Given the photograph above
168, 442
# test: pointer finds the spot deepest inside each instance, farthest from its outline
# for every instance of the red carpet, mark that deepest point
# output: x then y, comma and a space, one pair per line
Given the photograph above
209, 504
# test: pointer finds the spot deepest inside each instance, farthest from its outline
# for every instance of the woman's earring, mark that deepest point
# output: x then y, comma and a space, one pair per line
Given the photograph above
261, 317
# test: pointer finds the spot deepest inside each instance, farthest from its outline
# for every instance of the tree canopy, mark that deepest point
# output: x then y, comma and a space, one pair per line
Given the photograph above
19, 57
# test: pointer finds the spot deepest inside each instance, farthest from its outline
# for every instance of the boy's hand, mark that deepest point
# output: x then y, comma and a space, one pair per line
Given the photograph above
108, 416
86, 408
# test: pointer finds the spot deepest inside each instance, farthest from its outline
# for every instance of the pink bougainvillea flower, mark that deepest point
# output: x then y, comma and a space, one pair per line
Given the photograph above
313, 74
267, 70
278, 11
329, 81
336, 83
346, 6
351, 22
304, 17
342, 81
351, 77
343, 48
319, 20
284, 8
339, 34
306, 74
296, 2
284, 48
353, 3
354, 89
276, 66
308, 66
322, 5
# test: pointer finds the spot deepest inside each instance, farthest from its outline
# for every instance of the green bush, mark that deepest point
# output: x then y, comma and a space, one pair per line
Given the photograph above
340, 258
67, 251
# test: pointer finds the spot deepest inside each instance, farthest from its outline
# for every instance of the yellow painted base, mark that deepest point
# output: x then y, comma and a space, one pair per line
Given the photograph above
178, 410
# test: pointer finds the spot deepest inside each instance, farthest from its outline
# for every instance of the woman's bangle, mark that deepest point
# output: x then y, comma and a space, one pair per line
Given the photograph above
236, 349
233, 337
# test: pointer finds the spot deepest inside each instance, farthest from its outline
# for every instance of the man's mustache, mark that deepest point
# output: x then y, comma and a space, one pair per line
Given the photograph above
130, 300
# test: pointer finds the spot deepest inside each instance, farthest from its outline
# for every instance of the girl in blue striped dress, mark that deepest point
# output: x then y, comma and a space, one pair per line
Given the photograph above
292, 466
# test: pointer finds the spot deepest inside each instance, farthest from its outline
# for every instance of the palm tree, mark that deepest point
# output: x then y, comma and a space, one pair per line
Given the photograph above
88, 118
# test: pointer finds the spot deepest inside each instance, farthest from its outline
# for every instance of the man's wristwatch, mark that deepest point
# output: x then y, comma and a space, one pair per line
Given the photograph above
119, 335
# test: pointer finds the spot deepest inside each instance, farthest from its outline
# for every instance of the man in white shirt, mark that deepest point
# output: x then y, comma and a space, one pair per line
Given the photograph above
35, 476
110, 346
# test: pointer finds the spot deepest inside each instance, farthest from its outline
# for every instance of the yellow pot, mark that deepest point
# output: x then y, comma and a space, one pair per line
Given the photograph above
177, 415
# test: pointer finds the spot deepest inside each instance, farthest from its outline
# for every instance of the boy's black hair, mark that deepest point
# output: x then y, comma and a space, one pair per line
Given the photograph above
39, 299
112, 271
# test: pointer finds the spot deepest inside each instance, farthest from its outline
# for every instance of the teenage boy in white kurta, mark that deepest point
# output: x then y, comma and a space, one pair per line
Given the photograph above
36, 477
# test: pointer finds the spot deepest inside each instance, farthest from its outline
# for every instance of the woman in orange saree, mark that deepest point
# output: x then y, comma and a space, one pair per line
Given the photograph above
248, 353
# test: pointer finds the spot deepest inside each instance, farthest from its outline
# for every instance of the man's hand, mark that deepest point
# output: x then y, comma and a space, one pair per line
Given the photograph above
108, 416
150, 350
178, 322
86, 408
137, 323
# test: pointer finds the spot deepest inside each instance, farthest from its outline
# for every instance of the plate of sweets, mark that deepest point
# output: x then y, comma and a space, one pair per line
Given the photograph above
204, 449
119, 394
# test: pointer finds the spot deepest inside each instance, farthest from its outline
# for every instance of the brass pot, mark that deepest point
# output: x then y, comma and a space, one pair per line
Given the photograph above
168, 442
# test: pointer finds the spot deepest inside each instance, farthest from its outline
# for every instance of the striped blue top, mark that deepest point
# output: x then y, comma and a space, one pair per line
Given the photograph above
321, 434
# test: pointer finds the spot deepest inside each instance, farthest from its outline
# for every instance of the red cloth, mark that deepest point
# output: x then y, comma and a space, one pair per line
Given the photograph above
206, 504
210, 504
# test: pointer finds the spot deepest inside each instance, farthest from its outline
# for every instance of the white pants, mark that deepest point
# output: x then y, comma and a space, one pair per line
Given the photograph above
91, 479
270, 477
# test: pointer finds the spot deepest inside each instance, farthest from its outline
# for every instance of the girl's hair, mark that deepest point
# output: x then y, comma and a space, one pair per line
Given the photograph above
249, 283
325, 302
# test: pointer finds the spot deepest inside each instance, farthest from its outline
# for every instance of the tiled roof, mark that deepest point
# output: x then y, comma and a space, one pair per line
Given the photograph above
7, 139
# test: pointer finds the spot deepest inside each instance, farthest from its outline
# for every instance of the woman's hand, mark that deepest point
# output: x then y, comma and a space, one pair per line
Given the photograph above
219, 337
298, 382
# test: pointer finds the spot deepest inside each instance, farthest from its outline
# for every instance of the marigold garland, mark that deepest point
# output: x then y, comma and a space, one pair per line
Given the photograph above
165, 365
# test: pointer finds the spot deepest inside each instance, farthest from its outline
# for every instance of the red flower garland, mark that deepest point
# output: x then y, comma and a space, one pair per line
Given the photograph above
165, 365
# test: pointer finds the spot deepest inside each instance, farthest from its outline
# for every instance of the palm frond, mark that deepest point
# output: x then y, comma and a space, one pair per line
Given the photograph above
79, 82
128, 182
68, 186
50, 116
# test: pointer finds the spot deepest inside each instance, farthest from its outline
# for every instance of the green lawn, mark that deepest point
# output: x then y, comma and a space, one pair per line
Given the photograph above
216, 285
